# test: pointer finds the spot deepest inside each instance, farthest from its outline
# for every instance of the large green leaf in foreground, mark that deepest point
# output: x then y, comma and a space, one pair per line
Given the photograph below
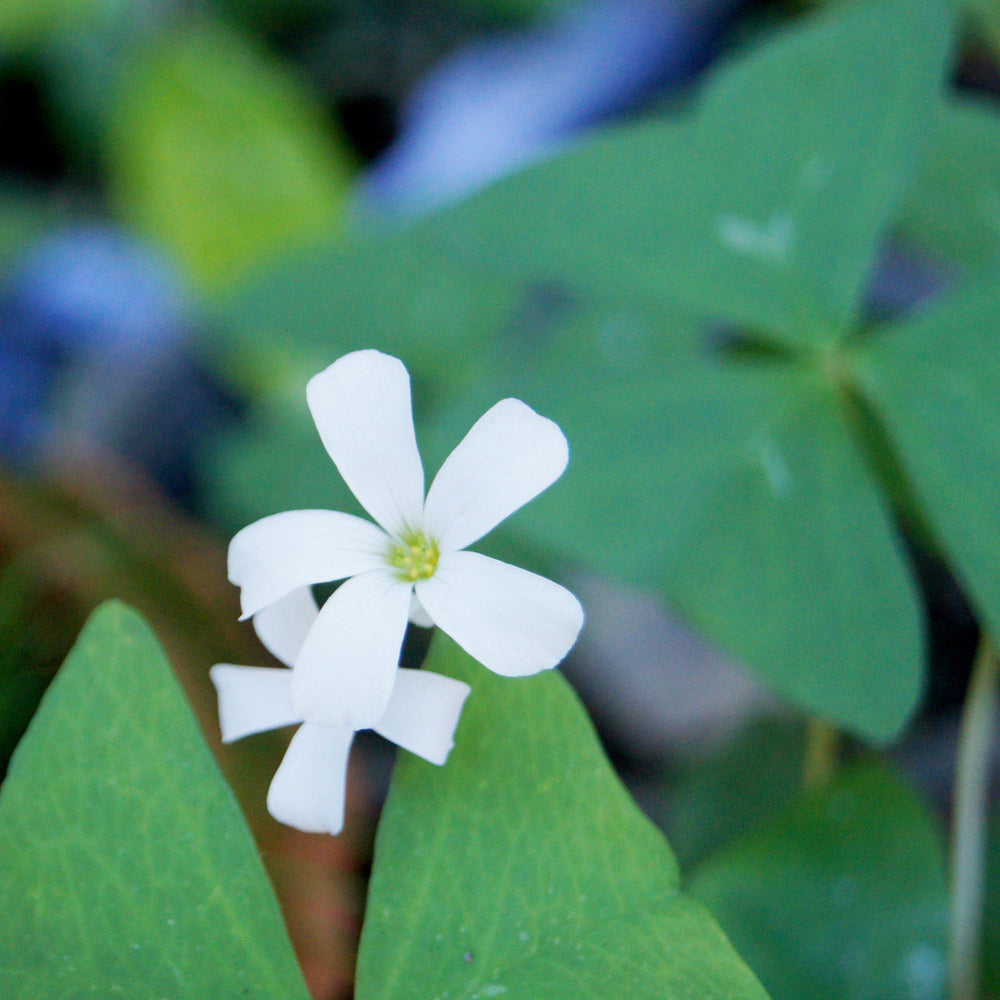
127, 867
523, 869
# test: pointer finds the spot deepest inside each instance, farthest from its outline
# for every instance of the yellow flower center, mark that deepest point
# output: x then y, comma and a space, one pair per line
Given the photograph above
415, 556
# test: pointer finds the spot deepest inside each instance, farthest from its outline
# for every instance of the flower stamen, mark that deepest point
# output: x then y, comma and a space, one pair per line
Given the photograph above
415, 556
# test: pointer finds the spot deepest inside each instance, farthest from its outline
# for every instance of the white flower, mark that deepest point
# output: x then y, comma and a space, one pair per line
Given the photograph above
308, 789
412, 563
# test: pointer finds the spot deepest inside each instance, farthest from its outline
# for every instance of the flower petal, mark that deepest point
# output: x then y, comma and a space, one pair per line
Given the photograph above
276, 554
508, 457
361, 405
284, 625
418, 616
252, 699
512, 621
309, 787
423, 712
346, 668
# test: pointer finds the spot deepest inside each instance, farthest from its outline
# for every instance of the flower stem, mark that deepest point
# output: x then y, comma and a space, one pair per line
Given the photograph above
822, 746
968, 835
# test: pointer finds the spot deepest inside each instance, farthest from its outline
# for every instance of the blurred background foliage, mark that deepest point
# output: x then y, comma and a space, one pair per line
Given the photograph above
204, 203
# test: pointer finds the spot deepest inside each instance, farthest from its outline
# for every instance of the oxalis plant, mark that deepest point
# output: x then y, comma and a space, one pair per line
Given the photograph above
753, 429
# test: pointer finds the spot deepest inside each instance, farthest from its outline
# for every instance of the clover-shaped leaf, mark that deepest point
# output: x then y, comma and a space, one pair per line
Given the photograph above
765, 205
933, 380
523, 869
741, 492
128, 868
735, 474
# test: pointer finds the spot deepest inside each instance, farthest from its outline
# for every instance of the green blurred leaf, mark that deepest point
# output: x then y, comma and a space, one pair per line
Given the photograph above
986, 16
709, 802
128, 868
25, 23
842, 898
18, 225
991, 916
523, 869
396, 294
273, 461
954, 204
788, 554
738, 491
220, 154
933, 379
766, 206
310, 307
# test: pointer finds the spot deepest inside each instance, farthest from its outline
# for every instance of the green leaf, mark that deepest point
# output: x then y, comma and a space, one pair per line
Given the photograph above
986, 16
220, 154
737, 489
274, 460
842, 898
792, 562
933, 380
128, 868
991, 914
523, 869
709, 801
308, 309
954, 204
765, 206
396, 294
25, 23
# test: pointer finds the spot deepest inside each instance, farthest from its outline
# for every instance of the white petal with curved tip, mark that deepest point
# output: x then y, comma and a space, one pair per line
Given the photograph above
277, 554
423, 712
252, 699
346, 668
508, 457
283, 626
361, 405
512, 621
309, 787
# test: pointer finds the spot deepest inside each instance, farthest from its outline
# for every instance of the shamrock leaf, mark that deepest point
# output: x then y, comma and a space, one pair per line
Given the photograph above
764, 206
522, 868
933, 379
128, 868
740, 484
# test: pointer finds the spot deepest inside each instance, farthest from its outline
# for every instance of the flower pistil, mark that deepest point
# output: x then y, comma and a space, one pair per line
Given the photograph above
415, 556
